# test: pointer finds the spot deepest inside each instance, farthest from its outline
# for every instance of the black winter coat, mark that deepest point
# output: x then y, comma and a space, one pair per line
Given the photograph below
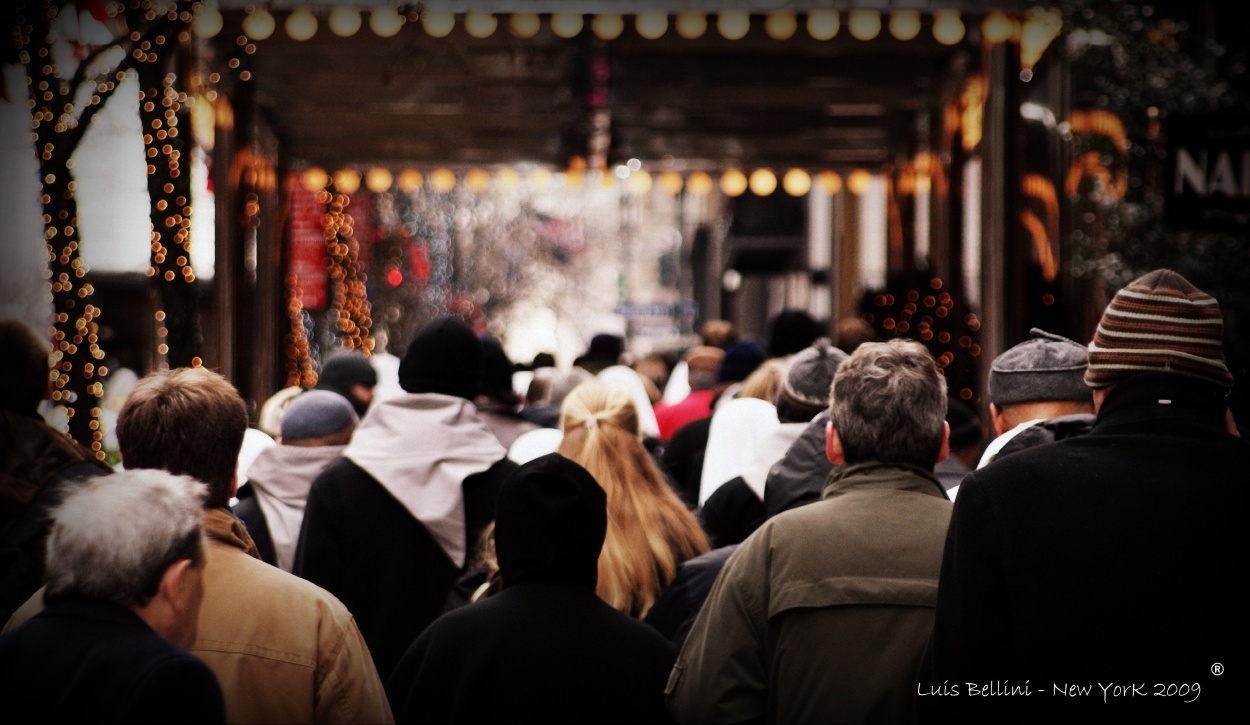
1113, 558
363, 546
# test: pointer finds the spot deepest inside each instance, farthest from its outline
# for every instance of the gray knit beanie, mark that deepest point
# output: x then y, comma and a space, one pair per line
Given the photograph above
809, 375
1048, 367
316, 413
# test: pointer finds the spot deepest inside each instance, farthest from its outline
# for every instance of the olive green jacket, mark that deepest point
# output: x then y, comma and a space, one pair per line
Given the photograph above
822, 615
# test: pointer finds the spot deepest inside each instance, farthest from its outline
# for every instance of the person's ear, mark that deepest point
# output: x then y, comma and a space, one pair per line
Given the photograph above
998, 420
945, 451
234, 483
833, 445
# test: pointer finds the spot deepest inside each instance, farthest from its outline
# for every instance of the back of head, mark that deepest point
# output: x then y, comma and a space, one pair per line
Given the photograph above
550, 522
853, 332
719, 333
341, 370
648, 526
318, 417
703, 362
23, 367
806, 382
1046, 368
740, 360
497, 369
791, 331
113, 537
765, 382
443, 357
889, 404
188, 421
1160, 322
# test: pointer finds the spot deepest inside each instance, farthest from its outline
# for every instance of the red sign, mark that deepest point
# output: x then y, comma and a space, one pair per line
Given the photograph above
307, 247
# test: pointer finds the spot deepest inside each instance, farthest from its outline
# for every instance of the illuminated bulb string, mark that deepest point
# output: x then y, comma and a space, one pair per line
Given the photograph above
349, 301
57, 126
299, 362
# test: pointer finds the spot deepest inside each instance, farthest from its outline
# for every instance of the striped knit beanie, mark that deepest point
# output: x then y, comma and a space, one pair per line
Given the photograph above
1159, 323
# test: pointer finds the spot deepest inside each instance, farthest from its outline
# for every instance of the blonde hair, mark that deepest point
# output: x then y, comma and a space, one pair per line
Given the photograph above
765, 381
650, 531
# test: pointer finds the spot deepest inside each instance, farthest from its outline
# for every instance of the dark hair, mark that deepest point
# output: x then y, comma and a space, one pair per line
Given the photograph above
23, 367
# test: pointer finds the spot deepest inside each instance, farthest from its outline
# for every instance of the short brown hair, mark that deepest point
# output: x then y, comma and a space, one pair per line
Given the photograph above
188, 421
23, 367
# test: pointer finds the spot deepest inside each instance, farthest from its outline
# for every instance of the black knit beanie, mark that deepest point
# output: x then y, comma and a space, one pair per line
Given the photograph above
444, 357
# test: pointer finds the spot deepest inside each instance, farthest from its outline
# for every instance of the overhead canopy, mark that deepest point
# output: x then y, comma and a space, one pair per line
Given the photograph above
708, 102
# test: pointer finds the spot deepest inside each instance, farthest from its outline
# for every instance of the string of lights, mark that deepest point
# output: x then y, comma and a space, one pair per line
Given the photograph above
58, 125
349, 300
299, 362
163, 106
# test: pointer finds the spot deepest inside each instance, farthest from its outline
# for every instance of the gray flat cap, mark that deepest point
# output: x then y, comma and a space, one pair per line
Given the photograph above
316, 413
1048, 367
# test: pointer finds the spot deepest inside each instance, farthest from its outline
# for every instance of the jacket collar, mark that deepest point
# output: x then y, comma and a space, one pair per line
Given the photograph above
1161, 396
881, 476
221, 525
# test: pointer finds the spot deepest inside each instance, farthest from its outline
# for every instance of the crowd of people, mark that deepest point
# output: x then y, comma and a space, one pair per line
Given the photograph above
796, 529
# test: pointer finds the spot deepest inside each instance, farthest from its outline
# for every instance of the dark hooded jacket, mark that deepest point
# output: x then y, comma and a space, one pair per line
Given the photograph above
546, 648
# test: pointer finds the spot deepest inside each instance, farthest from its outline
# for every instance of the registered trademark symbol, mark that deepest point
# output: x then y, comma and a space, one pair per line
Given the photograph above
1217, 669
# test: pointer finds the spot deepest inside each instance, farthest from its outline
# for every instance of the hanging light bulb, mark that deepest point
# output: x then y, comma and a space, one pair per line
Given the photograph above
301, 24
344, 21
699, 183
438, 23
410, 181
733, 182
385, 22
796, 182
830, 182
508, 179
540, 180
905, 24
670, 181
478, 180
691, 25
442, 180
998, 27
316, 178
858, 182
781, 25
606, 27
763, 182
651, 25
524, 25
259, 24
566, 25
378, 180
1035, 36
480, 25
823, 24
347, 180
948, 29
864, 24
733, 24
207, 22
639, 182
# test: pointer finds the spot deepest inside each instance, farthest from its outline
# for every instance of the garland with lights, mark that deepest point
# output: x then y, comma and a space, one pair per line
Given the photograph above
299, 362
58, 125
164, 110
350, 302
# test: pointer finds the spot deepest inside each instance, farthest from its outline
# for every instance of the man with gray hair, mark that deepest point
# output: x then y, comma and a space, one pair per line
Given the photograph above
125, 558
823, 613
